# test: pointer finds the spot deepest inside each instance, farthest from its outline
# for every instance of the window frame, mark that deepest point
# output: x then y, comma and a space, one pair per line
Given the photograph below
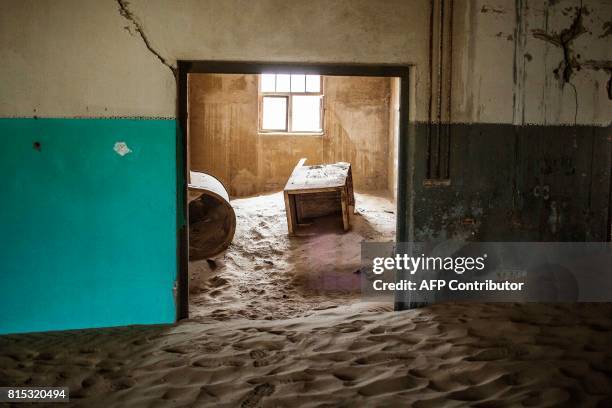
289, 97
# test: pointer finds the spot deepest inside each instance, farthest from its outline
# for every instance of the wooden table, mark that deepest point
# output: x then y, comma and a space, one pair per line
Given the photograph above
315, 191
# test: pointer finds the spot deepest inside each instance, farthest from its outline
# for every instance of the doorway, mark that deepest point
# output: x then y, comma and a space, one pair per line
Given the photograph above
271, 266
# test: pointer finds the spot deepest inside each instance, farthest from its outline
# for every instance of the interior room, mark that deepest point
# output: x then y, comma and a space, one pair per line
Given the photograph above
306, 203
237, 135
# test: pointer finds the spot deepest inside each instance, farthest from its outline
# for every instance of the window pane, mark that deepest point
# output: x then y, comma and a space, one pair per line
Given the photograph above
274, 115
313, 83
306, 113
282, 83
267, 82
297, 83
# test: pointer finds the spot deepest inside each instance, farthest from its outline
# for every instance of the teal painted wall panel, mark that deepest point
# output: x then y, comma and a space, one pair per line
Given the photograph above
87, 237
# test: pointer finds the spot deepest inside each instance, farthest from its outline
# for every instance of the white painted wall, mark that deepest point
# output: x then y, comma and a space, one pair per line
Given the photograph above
82, 58
74, 58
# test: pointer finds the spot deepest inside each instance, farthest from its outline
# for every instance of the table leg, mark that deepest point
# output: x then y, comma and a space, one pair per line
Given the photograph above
345, 210
290, 211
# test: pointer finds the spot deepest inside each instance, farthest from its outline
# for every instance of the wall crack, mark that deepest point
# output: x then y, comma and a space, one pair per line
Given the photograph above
564, 40
129, 15
570, 63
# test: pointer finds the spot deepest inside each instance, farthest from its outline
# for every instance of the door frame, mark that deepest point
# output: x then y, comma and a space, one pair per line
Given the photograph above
186, 67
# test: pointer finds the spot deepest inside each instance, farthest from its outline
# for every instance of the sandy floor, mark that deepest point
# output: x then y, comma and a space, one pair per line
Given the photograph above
324, 348
265, 274
445, 355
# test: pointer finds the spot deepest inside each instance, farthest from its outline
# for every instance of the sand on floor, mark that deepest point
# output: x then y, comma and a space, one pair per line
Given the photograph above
273, 331
447, 355
266, 274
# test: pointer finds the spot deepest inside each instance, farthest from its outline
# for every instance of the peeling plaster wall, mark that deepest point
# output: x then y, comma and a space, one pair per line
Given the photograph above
508, 62
224, 141
97, 63
509, 183
529, 113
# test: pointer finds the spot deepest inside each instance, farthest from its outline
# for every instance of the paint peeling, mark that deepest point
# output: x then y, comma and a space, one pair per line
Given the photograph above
564, 40
122, 148
486, 9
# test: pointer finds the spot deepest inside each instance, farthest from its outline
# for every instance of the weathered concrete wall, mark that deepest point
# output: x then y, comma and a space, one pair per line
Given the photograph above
518, 62
224, 140
517, 183
97, 64
529, 79
532, 62
114, 58
77, 58
496, 59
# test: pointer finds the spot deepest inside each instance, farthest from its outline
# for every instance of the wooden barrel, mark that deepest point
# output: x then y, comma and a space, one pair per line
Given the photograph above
212, 220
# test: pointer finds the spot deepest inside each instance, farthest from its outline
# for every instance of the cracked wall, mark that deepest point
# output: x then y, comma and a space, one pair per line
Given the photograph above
533, 62
75, 59
505, 62
135, 27
116, 57
95, 66
530, 84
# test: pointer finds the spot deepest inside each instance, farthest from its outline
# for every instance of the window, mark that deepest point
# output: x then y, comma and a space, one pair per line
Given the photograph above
290, 103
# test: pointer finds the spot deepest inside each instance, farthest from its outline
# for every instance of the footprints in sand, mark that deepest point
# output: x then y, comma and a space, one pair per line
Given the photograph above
254, 397
265, 274
262, 358
258, 354
208, 362
425, 358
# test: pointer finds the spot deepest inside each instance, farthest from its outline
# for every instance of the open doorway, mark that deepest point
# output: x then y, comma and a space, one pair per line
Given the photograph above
249, 129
